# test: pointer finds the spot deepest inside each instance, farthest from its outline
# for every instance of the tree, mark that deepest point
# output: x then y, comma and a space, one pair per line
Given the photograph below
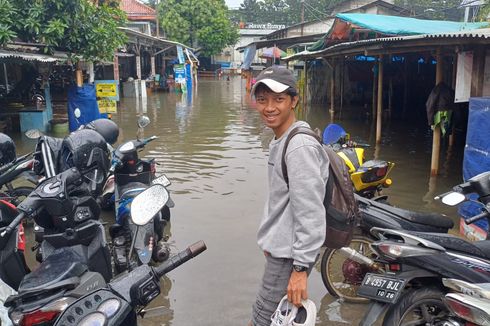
76, 26
198, 23
440, 10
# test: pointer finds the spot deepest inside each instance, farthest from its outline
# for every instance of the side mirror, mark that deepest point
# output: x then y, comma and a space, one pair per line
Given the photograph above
33, 134
453, 198
143, 121
77, 113
148, 203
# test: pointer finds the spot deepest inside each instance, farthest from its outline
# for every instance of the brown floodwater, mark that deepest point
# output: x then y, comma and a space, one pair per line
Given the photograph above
213, 147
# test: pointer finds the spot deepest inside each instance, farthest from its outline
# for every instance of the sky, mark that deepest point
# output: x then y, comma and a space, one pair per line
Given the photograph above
233, 3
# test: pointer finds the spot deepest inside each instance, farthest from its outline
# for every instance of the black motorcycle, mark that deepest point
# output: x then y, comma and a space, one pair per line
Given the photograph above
129, 176
343, 269
120, 301
74, 257
411, 290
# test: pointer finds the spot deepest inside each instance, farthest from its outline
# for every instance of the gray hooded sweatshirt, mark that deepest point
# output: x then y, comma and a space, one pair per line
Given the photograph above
293, 225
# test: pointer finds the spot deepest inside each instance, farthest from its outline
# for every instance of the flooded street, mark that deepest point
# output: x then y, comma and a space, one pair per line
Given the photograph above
213, 147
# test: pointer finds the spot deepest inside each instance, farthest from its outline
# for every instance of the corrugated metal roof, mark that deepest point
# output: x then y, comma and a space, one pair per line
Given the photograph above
396, 25
32, 56
482, 34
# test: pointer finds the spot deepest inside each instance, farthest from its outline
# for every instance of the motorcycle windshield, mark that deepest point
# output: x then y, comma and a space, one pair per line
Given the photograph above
333, 133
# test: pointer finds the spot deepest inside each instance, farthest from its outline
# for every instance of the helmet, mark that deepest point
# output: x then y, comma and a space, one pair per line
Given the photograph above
86, 149
7, 149
106, 127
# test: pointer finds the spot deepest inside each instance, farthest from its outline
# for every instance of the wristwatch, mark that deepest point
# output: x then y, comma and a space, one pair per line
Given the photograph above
299, 268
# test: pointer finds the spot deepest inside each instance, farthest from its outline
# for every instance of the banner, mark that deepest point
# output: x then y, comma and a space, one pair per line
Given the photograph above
107, 106
180, 54
107, 93
248, 56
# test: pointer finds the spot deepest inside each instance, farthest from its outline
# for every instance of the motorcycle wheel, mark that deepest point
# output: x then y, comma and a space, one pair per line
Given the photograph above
421, 306
342, 276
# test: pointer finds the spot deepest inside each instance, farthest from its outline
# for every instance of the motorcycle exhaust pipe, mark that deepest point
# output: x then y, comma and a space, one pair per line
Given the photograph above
352, 254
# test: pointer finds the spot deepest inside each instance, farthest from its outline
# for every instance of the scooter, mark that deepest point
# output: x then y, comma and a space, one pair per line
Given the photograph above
469, 304
411, 292
368, 177
343, 269
75, 254
130, 175
120, 301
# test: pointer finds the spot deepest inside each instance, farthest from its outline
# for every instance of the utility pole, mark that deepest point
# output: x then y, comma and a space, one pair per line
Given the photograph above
156, 13
302, 15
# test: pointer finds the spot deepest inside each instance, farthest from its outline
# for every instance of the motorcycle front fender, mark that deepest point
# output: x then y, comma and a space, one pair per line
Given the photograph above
374, 311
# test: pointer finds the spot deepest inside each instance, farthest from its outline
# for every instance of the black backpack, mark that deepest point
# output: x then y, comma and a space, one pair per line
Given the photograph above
342, 214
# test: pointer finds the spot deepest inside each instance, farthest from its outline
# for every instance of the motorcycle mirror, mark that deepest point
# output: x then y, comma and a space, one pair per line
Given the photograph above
143, 121
77, 113
453, 198
148, 203
33, 133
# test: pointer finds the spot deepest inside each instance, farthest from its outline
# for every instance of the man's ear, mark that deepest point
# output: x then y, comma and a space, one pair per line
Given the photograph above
295, 100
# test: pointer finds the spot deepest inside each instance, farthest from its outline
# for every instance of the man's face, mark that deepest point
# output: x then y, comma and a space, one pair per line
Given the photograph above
276, 109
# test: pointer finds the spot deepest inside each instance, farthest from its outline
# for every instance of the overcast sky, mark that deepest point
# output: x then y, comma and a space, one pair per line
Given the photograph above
233, 3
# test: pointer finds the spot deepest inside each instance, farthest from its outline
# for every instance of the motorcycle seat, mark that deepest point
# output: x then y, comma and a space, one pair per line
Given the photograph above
61, 269
430, 219
455, 243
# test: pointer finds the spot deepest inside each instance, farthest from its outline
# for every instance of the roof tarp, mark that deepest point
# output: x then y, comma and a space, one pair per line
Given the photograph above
395, 25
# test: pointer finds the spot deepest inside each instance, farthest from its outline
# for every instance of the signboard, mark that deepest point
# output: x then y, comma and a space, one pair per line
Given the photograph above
463, 77
107, 89
107, 106
180, 54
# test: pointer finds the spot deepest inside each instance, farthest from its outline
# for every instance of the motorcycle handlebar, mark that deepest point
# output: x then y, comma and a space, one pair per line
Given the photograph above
477, 217
12, 224
182, 257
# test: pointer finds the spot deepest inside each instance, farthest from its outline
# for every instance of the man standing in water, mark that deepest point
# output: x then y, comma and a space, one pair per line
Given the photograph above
292, 230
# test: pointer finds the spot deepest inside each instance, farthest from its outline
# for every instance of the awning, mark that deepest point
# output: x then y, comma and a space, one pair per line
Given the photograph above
32, 56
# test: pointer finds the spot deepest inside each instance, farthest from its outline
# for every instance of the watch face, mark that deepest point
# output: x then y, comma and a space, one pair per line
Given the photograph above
299, 268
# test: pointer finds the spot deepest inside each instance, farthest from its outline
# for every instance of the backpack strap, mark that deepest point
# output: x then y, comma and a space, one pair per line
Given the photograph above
333, 169
294, 132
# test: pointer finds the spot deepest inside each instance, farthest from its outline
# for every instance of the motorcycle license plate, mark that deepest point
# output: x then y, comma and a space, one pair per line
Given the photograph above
381, 288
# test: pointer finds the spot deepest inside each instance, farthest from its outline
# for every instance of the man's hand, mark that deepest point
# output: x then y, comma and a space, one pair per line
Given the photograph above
297, 287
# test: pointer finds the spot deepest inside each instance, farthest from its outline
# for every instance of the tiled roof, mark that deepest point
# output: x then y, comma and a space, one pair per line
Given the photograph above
135, 9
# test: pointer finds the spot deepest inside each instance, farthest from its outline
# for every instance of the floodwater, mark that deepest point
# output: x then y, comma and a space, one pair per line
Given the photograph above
213, 147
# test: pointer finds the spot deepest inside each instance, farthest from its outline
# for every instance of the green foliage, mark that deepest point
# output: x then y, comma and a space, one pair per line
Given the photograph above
198, 23
287, 12
76, 26
440, 10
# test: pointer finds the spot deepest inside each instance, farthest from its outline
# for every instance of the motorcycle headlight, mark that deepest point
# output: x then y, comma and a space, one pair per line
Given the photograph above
109, 307
94, 319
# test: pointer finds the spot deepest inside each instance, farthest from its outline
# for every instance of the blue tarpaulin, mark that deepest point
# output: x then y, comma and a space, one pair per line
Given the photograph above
83, 98
395, 25
477, 150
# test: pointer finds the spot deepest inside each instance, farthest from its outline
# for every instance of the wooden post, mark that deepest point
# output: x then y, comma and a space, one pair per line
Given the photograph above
138, 67
332, 90
405, 86
342, 72
375, 90
152, 63
379, 115
116, 68
453, 85
436, 137
91, 73
305, 84
79, 75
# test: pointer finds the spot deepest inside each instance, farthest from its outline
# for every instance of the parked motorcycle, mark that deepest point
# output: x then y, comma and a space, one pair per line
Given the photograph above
73, 241
368, 177
12, 168
120, 301
468, 303
343, 270
130, 175
411, 291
